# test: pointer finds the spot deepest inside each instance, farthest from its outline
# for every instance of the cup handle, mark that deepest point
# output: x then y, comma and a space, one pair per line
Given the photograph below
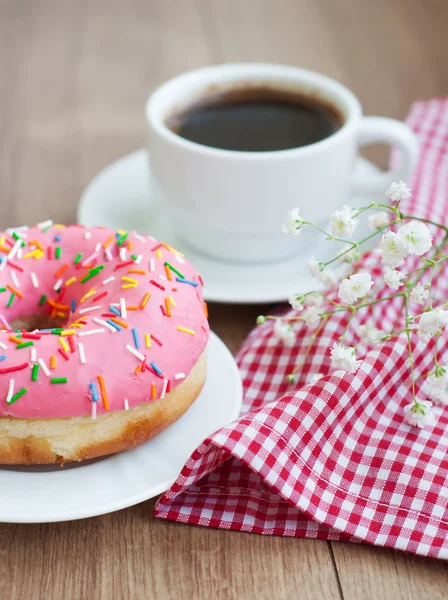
373, 130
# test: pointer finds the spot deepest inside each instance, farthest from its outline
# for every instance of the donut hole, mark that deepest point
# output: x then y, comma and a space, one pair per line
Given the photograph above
33, 322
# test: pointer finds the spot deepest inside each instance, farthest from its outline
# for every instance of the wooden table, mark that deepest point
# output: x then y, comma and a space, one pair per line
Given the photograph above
74, 77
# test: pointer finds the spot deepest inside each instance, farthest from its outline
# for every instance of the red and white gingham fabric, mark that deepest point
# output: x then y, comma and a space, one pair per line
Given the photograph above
335, 459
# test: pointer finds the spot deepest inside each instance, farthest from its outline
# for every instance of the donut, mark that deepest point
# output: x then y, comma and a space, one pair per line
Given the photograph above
102, 341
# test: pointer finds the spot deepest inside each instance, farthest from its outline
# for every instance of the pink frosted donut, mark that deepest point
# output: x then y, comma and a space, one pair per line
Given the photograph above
102, 341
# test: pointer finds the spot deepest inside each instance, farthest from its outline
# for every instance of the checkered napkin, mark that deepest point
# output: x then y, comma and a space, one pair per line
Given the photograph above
333, 460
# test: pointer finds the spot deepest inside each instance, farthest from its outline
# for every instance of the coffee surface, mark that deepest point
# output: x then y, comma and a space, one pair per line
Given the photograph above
256, 120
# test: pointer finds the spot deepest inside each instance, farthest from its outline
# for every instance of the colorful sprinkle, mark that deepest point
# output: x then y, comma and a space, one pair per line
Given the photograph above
90, 332
145, 300
63, 353
156, 368
103, 392
17, 396
157, 284
123, 308
119, 322
24, 345
135, 352
136, 338
58, 380
10, 391
82, 354
13, 369
35, 373
157, 341
43, 366
178, 273
185, 330
14, 291
193, 283
93, 392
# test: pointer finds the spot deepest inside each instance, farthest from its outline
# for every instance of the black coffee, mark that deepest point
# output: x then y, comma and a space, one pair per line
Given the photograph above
257, 120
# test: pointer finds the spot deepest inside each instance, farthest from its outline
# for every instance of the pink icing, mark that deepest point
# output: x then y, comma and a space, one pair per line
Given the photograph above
105, 352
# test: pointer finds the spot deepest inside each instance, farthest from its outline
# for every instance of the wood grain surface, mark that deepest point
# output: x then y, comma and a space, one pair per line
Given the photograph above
74, 76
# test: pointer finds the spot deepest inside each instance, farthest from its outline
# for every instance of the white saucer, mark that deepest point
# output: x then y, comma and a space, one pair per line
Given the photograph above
50, 494
120, 198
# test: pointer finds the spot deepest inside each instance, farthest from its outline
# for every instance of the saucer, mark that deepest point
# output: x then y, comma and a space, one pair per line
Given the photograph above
119, 197
49, 493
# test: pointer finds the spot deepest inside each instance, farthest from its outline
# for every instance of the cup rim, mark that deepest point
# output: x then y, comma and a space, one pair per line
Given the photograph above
160, 102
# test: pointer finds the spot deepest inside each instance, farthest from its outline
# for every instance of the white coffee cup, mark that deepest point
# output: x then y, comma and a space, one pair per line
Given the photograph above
231, 204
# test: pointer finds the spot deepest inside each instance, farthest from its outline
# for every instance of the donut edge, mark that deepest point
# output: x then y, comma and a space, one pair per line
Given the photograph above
76, 439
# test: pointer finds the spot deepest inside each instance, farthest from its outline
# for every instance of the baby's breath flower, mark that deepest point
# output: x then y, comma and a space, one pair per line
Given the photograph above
284, 333
296, 301
313, 299
344, 358
436, 386
319, 272
416, 237
367, 332
397, 191
355, 287
342, 223
311, 315
293, 222
419, 294
378, 220
261, 319
393, 279
393, 249
432, 323
419, 413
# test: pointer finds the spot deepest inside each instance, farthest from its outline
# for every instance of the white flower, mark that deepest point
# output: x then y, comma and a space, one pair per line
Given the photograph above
419, 413
393, 279
293, 222
311, 315
313, 299
416, 237
315, 377
393, 249
344, 358
284, 333
355, 287
398, 191
436, 386
342, 224
325, 276
378, 220
432, 323
296, 301
314, 267
419, 294
368, 332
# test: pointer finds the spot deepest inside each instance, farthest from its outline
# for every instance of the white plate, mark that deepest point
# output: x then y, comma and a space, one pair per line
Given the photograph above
50, 494
120, 198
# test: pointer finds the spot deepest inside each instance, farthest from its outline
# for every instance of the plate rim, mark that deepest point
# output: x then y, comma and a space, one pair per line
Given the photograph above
115, 506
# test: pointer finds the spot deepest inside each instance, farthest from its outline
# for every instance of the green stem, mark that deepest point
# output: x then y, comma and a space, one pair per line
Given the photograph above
439, 225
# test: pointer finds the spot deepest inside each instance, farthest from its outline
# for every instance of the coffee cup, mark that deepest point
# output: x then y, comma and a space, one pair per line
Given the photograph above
231, 203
